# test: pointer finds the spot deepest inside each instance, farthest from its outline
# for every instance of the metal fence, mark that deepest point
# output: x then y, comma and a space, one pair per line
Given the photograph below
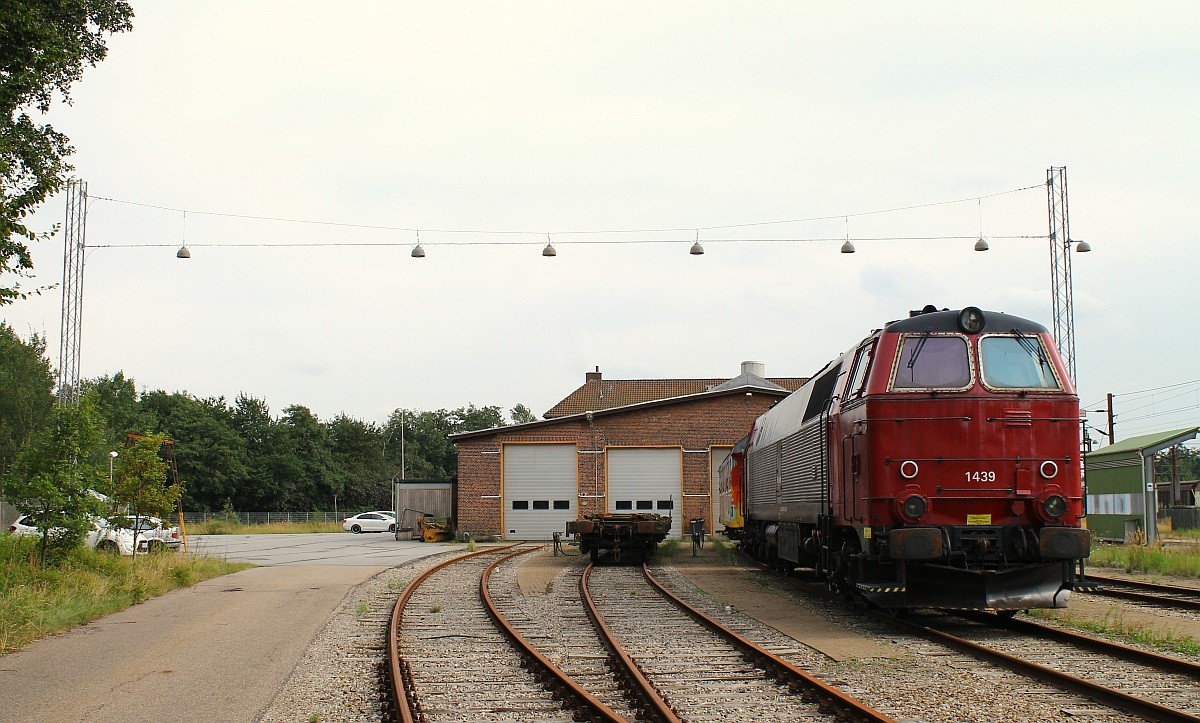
263, 518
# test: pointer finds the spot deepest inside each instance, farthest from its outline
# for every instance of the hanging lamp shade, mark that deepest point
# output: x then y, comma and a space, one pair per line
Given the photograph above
418, 252
847, 248
183, 252
549, 250
1083, 247
697, 249
981, 244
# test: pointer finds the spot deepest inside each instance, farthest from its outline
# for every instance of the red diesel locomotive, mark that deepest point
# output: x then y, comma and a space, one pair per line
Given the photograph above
934, 464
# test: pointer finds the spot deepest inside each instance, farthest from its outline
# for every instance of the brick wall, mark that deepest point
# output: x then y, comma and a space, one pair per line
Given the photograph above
694, 425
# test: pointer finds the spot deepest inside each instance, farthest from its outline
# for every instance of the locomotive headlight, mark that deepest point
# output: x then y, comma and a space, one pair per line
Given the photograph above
970, 320
914, 506
1055, 506
911, 506
1048, 470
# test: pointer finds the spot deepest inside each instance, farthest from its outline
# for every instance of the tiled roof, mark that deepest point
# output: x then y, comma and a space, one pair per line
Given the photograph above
598, 394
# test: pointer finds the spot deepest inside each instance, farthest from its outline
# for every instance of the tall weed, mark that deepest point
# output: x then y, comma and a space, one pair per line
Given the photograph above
83, 585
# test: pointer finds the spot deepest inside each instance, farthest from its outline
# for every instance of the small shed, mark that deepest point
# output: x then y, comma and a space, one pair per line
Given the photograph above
1121, 495
433, 497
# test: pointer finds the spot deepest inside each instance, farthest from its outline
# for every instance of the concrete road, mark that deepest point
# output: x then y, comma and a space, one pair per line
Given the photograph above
335, 548
217, 651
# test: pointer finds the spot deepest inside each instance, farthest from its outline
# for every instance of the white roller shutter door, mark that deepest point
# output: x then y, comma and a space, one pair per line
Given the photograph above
540, 483
647, 479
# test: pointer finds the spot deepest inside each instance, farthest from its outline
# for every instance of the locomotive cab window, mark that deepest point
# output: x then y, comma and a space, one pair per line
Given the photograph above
1016, 362
928, 361
858, 378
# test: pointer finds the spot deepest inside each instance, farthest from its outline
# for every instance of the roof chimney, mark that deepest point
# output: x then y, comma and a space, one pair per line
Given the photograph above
756, 368
592, 376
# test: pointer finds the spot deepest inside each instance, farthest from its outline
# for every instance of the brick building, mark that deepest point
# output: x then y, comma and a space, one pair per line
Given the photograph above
611, 445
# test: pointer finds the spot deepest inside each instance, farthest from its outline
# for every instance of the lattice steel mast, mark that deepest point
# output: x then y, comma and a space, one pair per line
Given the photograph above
74, 232
1063, 311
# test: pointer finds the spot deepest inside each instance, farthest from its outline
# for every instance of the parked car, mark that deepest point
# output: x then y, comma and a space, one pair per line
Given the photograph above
369, 522
102, 536
152, 536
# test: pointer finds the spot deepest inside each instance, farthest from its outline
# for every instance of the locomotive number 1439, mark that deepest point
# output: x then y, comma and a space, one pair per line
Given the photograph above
981, 476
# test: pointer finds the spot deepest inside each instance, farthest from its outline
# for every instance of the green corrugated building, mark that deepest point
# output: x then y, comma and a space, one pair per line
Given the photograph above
1120, 485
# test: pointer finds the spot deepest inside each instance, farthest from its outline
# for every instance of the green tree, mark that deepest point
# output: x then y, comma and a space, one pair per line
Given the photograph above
26, 391
357, 449
313, 482
521, 415
140, 482
210, 454
44, 46
267, 456
55, 475
117, 402
428, 451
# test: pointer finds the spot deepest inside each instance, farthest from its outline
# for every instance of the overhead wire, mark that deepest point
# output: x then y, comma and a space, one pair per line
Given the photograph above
679, 229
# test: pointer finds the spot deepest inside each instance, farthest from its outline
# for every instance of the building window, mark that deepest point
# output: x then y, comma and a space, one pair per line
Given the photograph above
623, 505
666, 504
562, 504
541, 504
520, 504
645, 504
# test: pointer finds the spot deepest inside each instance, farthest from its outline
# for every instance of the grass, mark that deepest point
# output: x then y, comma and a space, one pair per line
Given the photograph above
1113, 624
224, 527
1152, 559
83, 585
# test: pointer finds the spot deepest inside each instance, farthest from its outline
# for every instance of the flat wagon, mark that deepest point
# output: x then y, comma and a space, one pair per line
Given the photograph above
617, 534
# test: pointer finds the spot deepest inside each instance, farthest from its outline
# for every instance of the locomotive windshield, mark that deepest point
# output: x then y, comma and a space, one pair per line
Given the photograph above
933, 362
1016, 362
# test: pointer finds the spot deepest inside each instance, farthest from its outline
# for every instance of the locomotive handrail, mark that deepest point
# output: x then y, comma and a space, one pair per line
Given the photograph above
1039, 419
912, 419
889, 460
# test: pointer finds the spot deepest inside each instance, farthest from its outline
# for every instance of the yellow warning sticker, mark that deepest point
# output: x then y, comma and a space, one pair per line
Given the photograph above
867, 532
979, 519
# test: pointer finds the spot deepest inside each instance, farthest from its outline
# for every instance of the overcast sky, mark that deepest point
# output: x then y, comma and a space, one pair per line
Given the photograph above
599, 122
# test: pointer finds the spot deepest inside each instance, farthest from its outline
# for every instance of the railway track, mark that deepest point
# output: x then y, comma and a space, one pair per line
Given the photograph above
1149, 685
698, 669
461, 650
1184, 598
450, 658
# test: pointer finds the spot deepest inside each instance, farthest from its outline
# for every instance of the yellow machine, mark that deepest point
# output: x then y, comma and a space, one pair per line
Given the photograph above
434, 530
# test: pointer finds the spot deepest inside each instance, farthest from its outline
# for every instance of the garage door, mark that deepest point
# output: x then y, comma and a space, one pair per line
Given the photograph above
539, 490
647, 479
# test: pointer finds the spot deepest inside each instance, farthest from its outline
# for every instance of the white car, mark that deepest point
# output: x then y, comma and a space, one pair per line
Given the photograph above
369, 522
152, 536
101, 537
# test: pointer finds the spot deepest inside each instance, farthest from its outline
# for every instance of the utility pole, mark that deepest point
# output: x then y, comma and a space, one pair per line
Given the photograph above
74, 232
1111, 431
1062, 311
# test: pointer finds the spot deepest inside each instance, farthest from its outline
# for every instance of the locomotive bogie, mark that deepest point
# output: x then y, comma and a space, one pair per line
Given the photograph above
937, 460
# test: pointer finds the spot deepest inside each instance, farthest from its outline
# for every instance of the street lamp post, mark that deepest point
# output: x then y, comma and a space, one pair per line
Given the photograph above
111, 457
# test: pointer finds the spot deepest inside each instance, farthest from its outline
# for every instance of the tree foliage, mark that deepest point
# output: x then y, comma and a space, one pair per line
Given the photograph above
56, 474
140, 482
240, 456
26, 391
44, 47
